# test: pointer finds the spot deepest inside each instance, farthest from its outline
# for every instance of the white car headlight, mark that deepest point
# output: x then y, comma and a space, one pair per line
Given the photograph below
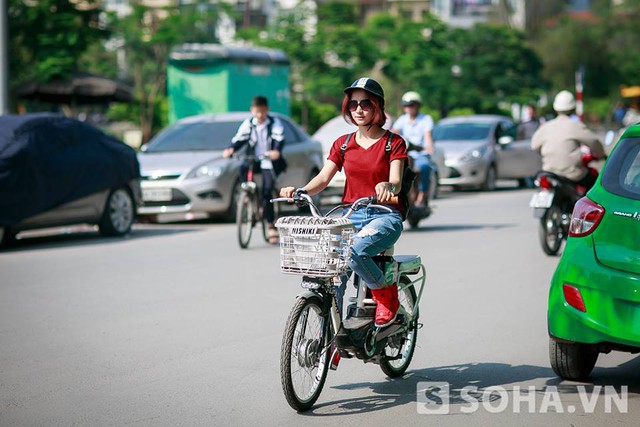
205, 170
473, 155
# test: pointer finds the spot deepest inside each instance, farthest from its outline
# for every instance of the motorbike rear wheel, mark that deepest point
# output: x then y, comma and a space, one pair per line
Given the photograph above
304, 356
550, 232
404, 345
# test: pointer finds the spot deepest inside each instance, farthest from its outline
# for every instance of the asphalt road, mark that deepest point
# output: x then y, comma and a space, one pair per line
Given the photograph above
175, 325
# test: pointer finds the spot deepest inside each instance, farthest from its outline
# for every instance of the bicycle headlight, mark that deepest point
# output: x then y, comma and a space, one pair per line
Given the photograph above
205, 170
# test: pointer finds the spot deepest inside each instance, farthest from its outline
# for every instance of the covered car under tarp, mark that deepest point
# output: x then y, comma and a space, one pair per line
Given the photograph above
47, 160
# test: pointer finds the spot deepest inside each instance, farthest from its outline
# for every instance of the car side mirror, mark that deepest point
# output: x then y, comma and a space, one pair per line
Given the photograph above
144, 147
505, 139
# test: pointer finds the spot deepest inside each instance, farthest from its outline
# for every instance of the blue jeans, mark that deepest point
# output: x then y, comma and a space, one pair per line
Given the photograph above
422, 163
377, 230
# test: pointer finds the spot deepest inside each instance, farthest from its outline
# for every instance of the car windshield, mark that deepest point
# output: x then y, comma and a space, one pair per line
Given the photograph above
202, 136
461, 131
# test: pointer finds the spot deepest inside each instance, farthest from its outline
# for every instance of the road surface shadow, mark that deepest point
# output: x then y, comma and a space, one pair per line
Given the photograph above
401, 391
83, 236
456, 227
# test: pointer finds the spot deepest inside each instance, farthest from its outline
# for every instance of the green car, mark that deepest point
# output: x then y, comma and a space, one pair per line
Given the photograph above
594, 299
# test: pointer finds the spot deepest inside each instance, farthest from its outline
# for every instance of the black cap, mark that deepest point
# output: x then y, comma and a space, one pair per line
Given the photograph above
367, 84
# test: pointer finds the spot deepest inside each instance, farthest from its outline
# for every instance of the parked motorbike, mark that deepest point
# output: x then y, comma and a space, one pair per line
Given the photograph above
553, 205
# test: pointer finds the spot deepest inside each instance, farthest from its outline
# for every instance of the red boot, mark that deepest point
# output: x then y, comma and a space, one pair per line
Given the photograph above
387, 305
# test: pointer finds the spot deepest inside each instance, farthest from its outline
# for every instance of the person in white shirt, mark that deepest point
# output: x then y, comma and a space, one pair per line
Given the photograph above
559, 142
415, 127
264, 136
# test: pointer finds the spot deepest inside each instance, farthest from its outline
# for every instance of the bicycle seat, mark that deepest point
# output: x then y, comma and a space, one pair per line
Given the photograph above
408, 263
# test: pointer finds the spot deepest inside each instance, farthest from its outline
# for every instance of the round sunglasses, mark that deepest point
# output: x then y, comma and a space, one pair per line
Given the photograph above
365, 104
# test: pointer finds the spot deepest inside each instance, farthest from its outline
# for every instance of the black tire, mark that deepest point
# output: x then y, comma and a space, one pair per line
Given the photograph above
7, 237
489, 183
434, 187
231, 214
244, 218
309, 355
118, 214
413, 218
526, 182
572, 361
550, 231
397, 368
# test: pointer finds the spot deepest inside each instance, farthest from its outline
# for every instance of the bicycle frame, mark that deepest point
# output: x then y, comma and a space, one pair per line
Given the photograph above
318, 248
324, 287
249, 190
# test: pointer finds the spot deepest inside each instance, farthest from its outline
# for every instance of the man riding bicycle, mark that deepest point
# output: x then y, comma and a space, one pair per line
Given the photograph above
264, 136
415, 128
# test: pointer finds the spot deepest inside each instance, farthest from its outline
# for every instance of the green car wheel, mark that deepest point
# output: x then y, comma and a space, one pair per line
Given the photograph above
572, 361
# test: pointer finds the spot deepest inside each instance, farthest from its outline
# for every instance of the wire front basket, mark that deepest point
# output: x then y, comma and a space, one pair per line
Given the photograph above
318, 247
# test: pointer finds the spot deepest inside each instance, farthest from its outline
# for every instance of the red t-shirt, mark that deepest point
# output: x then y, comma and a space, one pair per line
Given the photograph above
364, 168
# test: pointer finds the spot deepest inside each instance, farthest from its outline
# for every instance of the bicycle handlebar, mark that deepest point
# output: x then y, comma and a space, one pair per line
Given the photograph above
250, 156
301, 198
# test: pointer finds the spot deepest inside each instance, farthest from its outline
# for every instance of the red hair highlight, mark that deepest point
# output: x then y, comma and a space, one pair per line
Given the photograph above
379, 117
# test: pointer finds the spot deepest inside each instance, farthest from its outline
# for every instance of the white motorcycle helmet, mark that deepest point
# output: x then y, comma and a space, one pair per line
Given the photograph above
564, 102
411, 97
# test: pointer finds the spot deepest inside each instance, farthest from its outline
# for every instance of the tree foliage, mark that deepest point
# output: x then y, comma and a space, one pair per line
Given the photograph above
496, 65
605, 46
147, 35
496, 62
47, 37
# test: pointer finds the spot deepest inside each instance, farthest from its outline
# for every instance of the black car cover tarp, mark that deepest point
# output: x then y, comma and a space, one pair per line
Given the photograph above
47, 160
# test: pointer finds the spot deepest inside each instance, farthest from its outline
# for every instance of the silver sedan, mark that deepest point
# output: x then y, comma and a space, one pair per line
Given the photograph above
184, 175
480, 149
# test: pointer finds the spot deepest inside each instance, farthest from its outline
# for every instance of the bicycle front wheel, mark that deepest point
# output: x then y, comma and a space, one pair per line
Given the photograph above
304, 356
244, 218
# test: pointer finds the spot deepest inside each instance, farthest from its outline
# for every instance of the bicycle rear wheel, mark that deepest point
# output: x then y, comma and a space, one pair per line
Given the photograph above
399, 350
304, 356
244, 218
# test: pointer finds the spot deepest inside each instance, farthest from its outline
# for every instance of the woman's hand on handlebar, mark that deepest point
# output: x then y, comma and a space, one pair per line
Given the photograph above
383, 192
227, 153
287, 192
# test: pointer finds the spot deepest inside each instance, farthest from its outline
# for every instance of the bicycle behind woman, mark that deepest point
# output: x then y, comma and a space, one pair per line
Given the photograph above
264, 136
